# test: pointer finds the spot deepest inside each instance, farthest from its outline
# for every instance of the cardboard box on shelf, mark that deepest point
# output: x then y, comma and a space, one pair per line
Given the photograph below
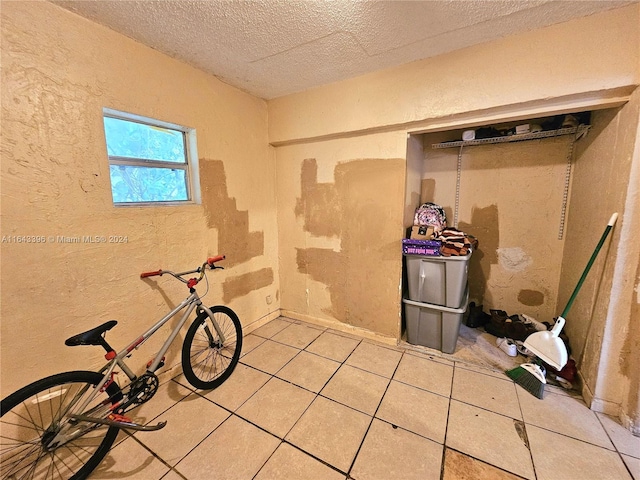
421, 232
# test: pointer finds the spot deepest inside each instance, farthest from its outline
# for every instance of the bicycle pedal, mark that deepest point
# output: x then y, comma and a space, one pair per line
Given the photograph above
123, 421
116, 417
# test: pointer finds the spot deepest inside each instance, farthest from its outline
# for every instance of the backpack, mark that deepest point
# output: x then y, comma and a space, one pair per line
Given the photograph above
430, 214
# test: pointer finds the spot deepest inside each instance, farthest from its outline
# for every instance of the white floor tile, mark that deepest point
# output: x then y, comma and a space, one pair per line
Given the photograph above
277, 406
320, 389
130, 460
390, 453
486, 391
184, 429
243, 382
292, 464
633, 464
562, 414
330, 431
416, 410
424, 373
270, 356
490, 437
557, 457
270, 329
297, 335
624, 441
309, 371
333, 346
375, 359
236, 450
356, 388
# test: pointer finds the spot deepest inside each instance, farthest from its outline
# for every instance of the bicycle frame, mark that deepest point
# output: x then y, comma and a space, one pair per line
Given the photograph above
190, 303
67, 422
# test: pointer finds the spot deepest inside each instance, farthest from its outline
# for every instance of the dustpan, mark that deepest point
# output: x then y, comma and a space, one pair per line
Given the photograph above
547, 345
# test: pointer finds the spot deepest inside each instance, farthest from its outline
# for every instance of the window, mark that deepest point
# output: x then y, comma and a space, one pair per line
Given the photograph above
150, 162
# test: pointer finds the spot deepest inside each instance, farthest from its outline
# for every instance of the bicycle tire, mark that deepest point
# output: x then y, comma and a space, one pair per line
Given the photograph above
205, 364
29, 415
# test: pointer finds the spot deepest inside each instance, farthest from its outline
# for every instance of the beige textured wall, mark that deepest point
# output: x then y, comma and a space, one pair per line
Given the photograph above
58, 72
630, 357
340, 209
602, 321
600, 173
510, 199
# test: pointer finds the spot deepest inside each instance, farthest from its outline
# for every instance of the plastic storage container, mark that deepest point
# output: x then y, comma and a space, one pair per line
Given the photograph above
437, 280
432, 325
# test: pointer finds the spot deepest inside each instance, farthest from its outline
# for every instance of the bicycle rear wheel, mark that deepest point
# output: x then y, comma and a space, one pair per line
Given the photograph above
206, 361
33, 415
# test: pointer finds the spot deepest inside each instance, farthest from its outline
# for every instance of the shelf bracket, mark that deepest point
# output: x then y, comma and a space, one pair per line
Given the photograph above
458, 174
567, 184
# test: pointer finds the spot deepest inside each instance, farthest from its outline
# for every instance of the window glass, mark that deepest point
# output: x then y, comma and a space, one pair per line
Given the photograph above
137, 140
148, 159
147, 184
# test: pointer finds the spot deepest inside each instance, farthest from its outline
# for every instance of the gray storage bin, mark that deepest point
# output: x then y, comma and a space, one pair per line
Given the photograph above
437, 280
434, 326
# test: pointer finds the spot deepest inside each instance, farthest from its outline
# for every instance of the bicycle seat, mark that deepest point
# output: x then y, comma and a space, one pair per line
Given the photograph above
91, 337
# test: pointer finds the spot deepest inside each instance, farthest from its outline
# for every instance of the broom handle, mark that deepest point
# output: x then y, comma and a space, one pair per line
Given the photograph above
610, 225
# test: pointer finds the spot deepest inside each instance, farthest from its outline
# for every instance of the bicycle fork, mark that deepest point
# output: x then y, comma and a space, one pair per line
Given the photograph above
207, 330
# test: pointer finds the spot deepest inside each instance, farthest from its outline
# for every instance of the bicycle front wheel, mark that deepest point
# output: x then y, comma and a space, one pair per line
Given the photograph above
207, 361
32, 416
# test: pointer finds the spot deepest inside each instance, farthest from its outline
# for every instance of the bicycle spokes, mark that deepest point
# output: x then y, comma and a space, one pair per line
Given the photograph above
208, 355
39, 438
212, 347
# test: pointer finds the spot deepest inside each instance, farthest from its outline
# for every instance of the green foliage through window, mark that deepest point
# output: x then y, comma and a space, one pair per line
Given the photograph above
146, 184
148, 163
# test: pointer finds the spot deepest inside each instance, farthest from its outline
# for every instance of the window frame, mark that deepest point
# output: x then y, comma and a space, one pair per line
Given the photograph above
190, 165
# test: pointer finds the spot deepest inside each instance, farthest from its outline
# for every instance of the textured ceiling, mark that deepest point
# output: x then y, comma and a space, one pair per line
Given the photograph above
272, 48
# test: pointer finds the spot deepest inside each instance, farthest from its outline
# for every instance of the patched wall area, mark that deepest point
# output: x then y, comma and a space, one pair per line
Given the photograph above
340, 223
511, 198
58, 72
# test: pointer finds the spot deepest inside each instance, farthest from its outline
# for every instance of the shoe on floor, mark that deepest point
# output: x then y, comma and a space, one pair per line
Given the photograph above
507, 346
523, 350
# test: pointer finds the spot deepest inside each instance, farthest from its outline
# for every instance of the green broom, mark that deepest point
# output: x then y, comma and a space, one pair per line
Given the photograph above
546, 345
530, 377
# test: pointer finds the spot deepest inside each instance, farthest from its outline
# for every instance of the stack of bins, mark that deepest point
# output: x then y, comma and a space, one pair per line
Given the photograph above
438, 297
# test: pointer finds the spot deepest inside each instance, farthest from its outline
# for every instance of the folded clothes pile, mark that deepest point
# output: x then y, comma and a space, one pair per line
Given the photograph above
455, 242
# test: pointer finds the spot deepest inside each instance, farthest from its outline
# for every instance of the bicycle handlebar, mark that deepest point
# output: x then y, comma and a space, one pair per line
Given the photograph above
150, 274
212, 260
210, 263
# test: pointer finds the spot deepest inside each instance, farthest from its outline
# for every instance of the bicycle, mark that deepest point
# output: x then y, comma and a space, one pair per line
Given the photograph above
62, 426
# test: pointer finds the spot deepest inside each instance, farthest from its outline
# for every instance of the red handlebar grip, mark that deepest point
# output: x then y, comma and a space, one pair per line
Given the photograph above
150, 274
213, 260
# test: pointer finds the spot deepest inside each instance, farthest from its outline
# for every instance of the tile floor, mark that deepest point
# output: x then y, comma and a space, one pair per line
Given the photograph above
311, 403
